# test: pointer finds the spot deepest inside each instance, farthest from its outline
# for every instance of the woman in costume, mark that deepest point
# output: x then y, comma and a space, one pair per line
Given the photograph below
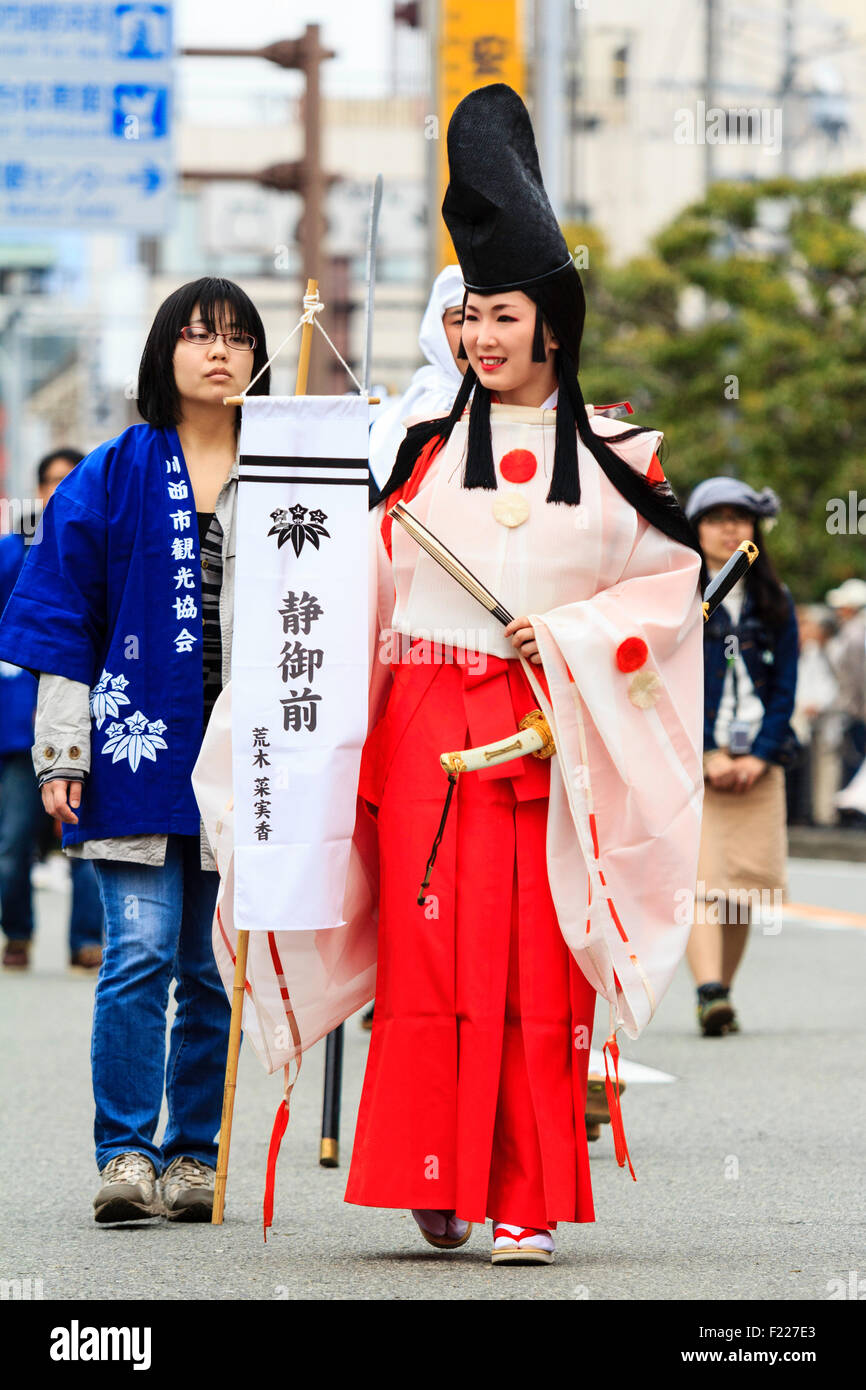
434, 386
124, 611
750, 654
555, 879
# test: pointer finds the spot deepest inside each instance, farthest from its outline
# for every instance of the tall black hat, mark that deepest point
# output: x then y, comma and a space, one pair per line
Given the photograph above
507, 238
496, 208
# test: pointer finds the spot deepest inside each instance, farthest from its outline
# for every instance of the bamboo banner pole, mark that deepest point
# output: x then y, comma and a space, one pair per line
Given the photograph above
306, 344
234, 1047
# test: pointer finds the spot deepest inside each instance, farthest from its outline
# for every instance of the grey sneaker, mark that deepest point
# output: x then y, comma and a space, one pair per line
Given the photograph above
128, 1191
187, 1190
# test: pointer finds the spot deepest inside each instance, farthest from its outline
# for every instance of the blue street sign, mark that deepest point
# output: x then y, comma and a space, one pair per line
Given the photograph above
86, 115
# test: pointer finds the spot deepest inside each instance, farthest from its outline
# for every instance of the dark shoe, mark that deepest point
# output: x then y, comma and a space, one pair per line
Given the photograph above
187, 1190
16, 955
86, 960
367, 1018
714, 1010
128, 1191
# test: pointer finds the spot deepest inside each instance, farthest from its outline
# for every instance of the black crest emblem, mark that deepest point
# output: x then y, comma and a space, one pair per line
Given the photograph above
295, 525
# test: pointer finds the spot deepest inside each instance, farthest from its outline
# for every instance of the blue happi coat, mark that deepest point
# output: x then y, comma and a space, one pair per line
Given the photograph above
111, 596
17, 687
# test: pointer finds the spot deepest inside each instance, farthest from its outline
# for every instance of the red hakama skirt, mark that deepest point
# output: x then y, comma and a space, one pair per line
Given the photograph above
475, 1088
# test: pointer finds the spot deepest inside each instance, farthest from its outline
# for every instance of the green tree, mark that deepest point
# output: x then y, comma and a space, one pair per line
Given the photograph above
742, 334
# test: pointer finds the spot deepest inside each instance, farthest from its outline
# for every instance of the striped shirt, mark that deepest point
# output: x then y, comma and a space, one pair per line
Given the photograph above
210, 536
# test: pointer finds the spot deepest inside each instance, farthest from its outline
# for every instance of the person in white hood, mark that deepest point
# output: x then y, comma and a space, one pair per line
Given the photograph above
434, 386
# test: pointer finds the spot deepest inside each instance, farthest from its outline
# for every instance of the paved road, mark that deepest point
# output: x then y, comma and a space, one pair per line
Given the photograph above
749, 1165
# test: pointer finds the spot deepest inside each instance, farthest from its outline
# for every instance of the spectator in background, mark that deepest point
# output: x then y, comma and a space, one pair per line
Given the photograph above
22, 816
750, 674
847, 655
814, 721
434, 386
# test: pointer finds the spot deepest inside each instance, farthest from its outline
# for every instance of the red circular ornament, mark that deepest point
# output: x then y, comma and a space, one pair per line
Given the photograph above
518, 465
631, 654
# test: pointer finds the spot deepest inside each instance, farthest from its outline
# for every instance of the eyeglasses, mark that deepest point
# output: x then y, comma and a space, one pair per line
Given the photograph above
241, 342
720, 518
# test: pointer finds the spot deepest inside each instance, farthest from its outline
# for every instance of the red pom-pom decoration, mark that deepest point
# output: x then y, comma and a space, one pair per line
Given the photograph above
518, 465
631, 654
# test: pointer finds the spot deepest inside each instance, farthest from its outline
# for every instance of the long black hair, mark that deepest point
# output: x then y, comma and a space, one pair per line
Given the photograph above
158, 399
560, 303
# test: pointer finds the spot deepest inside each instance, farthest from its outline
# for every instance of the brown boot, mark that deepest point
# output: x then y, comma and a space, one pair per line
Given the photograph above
16, 955
129, 1191
86, 960
187, 1188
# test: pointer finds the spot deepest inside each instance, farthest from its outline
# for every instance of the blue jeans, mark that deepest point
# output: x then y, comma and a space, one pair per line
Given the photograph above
22, 816
158, 928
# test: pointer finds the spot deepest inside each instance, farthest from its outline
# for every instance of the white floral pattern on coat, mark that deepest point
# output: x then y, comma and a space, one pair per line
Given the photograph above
107, 696
136, 744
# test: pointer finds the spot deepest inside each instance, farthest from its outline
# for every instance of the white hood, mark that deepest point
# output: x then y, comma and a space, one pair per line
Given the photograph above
433, 387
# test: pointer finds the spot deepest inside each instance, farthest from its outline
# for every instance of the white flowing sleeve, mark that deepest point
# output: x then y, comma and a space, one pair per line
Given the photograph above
625, 673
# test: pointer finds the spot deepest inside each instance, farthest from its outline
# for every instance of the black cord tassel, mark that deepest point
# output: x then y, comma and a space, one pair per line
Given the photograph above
452, 783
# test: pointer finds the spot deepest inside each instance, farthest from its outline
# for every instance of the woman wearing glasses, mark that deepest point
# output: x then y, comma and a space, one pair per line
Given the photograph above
124, 611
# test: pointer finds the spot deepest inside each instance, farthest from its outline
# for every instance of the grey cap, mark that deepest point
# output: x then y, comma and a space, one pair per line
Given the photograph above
731, 492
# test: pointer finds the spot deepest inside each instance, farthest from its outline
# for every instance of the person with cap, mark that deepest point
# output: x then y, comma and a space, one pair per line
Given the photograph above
847, 656
556, 878
434, 386
750, 669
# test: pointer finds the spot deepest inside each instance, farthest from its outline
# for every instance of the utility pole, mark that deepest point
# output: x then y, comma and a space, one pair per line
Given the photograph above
786, 86
711, 79
549, 106
304, 176
432, 27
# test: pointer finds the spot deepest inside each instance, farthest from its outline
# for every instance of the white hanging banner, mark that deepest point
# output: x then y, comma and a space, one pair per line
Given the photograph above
299, 656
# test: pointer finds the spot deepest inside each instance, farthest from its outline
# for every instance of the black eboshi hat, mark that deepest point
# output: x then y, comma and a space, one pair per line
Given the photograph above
496, 208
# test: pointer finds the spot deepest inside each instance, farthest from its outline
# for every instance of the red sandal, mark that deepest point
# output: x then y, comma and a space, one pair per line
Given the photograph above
526, 1245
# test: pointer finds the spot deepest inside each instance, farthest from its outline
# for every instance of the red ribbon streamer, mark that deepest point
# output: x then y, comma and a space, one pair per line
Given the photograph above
613, 1105
279, 1129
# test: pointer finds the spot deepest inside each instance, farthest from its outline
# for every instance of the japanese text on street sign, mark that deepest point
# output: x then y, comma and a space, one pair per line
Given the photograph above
86, 115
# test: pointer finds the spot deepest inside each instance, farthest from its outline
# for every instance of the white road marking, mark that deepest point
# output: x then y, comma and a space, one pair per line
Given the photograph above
633, 1073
